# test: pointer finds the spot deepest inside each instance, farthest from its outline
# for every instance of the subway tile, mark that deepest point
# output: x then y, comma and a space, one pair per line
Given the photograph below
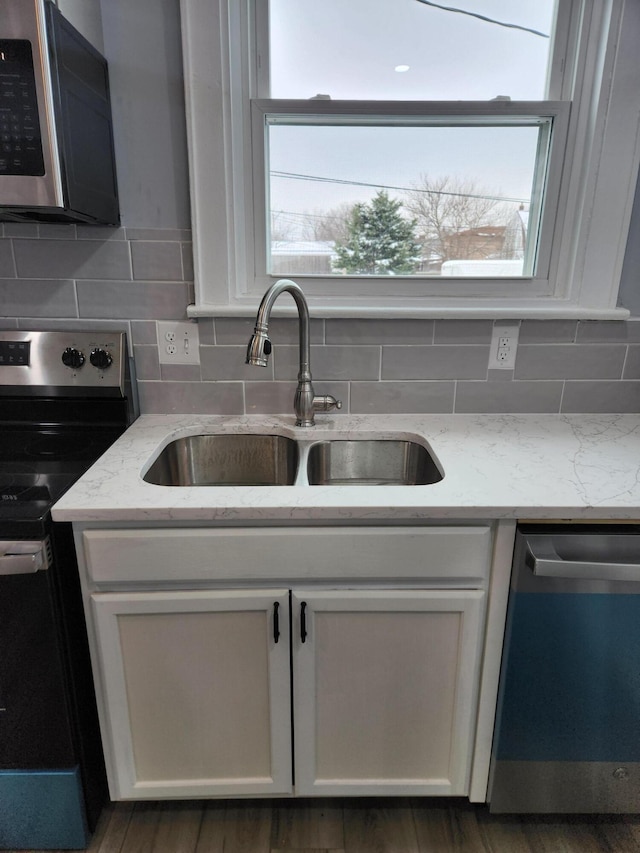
99, 232
233, 330
269, 398
589, 396
228, 362
6, 323
147, 363
329, 362
162, 235
206, 331
508, 397
80, 259
21, 229
187, 261
401, 397
547, 331
31, 298
282, 330
144, 332
570, 361
156, 261
74, 324
632, 364
7, 266
180, 372
435, 362
463, 332
379, 331
207, 398
274, 398
132, 300
608, 331
506, 322
57, 231
499, 375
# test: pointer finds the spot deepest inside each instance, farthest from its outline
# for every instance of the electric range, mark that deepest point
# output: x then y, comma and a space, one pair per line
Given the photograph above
64, 398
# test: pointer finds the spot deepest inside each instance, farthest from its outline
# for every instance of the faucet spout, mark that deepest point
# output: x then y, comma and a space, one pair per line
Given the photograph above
259, 350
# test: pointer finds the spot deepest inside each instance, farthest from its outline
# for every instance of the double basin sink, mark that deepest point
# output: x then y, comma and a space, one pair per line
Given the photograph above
277, 460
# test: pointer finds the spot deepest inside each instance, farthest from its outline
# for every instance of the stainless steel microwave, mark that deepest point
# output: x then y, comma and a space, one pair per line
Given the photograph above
57, 160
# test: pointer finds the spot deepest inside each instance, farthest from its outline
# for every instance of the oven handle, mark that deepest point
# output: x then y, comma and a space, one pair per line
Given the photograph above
23, 557
544, 561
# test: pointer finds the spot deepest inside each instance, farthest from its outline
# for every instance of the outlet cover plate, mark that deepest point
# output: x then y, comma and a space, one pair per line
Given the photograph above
504, 345
178, 342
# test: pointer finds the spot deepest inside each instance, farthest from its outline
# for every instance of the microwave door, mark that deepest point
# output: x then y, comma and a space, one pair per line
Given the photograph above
30, 171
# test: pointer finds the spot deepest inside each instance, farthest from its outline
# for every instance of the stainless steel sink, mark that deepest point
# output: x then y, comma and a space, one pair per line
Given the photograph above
378, 462
226, 460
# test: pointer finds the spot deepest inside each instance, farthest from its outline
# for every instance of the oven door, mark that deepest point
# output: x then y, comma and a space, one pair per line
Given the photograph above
35, 730
41, 800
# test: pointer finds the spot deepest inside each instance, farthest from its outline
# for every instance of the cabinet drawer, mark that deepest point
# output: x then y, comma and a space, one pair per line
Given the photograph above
269, 554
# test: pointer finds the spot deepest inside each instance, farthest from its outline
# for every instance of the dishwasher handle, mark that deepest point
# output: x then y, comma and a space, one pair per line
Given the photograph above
544, 561
23, 557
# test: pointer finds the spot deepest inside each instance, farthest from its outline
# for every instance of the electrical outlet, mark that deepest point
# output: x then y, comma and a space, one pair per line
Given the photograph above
504, 344
178, 343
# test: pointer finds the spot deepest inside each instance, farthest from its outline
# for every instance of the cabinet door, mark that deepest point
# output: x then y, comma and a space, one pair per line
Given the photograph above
196, 689
385, 687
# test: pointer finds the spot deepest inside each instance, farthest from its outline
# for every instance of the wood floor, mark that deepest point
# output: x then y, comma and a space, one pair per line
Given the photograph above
352, 826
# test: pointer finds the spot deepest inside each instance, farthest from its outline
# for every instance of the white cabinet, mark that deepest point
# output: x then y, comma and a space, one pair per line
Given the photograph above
384, 691
196, 692
209, 687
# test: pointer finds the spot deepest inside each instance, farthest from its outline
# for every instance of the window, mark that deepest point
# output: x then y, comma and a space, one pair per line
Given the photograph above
435, 195
407, 50
444, 169
320, 192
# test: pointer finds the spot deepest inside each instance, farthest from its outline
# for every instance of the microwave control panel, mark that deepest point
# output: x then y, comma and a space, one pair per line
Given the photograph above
20, 141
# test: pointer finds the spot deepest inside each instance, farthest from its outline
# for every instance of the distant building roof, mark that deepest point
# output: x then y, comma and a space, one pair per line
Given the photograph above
302, 247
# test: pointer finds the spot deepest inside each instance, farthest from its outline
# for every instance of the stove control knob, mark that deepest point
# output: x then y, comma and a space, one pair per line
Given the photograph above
100, 358
73, 357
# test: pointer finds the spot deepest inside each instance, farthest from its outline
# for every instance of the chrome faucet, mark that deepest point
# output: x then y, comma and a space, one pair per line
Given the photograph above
305, 402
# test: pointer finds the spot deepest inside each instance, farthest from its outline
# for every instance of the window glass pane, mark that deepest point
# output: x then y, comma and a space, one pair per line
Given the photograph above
403, 200
410, 49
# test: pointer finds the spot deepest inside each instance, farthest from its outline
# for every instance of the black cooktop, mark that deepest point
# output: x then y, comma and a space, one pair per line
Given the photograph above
65, 397
38, 464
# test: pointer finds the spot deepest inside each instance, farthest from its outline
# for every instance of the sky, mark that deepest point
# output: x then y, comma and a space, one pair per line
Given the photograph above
349, 49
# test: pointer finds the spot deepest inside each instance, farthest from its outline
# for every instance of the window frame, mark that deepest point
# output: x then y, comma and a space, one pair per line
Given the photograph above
344, 290
593, 66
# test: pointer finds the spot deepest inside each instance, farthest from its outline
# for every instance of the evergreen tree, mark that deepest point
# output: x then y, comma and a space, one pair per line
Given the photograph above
380, 240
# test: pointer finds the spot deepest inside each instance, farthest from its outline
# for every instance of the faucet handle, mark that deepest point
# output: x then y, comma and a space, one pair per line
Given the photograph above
326, 403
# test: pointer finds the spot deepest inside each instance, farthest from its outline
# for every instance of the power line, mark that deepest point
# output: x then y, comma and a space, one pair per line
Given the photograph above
484, 18
296, 215
299, 177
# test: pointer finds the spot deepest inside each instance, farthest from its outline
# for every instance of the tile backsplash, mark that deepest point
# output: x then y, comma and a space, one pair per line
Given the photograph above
56, 276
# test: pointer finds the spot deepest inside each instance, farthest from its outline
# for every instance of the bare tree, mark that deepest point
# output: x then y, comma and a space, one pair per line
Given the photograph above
331, 225
457, 219
281, 228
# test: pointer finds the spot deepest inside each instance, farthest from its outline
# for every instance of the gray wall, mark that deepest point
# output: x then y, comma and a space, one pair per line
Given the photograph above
64, 276
143, 46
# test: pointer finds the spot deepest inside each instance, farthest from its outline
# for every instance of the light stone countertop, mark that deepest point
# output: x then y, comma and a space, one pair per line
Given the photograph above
495, 466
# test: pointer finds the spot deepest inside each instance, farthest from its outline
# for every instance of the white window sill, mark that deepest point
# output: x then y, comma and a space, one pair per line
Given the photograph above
551, 309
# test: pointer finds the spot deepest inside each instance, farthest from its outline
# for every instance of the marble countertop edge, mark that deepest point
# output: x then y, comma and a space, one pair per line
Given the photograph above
495, 466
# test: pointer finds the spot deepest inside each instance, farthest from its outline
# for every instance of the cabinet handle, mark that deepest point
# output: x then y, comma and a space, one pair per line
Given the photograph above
303, 621
276, 621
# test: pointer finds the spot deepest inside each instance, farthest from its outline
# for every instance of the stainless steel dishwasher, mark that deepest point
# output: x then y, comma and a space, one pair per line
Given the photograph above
567, 735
